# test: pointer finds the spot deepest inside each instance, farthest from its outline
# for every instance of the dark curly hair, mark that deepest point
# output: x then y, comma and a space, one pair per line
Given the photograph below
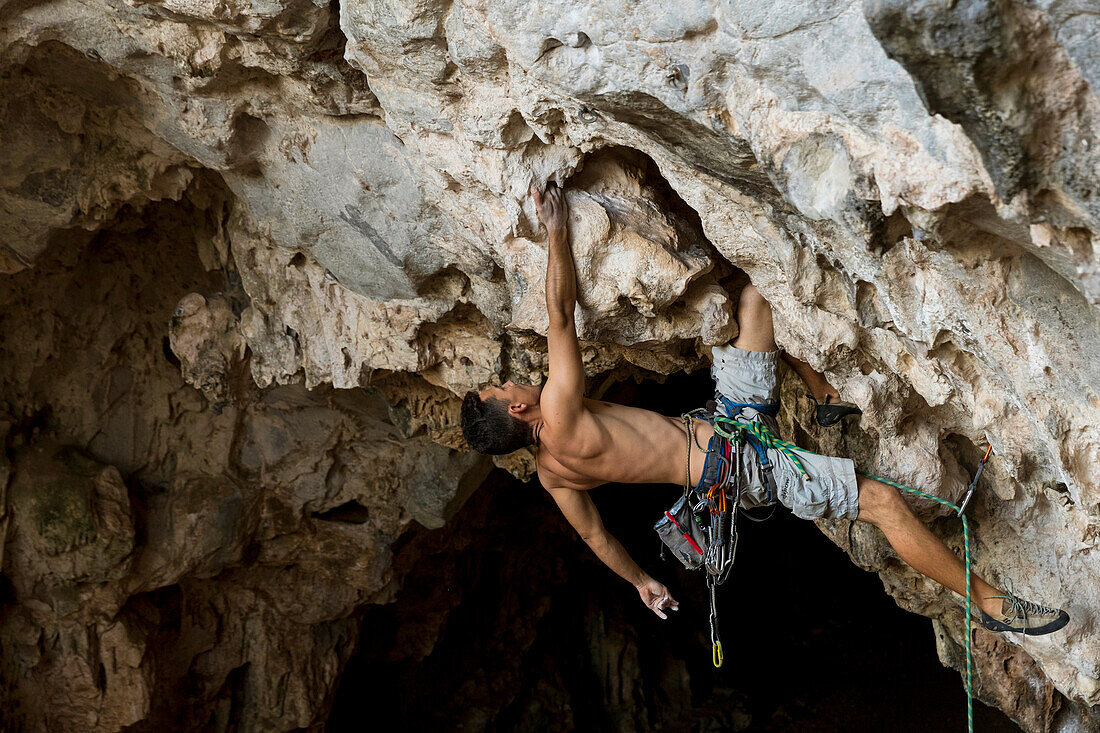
488, 427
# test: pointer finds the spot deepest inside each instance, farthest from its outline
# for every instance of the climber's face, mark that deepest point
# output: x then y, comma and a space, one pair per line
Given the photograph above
512, 393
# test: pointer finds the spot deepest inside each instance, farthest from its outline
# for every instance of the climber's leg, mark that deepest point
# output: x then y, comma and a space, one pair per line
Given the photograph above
745, 371
757, 333
882, 506
754, 319
819, 388
829, 408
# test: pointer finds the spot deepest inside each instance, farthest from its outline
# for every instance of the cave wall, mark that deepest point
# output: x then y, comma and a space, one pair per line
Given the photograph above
171, 559
254, 253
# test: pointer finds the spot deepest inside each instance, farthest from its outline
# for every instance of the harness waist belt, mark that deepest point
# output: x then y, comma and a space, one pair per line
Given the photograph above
771, 409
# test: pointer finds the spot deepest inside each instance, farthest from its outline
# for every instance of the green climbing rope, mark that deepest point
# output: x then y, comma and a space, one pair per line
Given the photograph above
760, 432
966, 558
765, 436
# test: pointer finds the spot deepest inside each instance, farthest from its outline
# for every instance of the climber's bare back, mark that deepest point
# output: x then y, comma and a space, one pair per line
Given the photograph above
611, 442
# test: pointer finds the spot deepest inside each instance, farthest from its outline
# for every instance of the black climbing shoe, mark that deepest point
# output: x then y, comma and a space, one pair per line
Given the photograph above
829, 413
1024, 617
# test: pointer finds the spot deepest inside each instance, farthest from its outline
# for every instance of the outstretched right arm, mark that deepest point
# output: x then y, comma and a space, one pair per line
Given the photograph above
580, 510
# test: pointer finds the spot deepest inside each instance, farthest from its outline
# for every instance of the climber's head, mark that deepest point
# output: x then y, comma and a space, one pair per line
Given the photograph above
499, 420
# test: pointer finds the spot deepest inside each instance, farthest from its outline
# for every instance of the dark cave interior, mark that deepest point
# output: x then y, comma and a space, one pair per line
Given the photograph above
506, 621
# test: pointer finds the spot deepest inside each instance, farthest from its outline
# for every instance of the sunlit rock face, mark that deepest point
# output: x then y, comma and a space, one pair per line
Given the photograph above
208, 209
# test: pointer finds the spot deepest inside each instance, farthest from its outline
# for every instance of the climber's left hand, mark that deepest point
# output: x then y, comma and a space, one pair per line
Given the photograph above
656, 596
551, 206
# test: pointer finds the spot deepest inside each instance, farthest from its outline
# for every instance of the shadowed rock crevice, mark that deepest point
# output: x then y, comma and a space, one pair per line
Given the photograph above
350, 511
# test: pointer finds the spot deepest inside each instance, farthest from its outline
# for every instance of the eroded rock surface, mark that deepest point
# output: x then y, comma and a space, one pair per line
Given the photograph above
222, 222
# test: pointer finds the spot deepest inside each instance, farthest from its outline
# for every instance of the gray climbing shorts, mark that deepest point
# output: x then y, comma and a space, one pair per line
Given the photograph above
751, 377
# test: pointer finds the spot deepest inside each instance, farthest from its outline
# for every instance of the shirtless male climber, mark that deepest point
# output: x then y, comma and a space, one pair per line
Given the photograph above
583, 443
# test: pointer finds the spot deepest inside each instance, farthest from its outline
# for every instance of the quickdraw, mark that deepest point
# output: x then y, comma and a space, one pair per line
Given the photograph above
974, 481
715, 641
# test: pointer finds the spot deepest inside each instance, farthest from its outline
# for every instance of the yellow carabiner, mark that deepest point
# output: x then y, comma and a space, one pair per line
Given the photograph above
716, 654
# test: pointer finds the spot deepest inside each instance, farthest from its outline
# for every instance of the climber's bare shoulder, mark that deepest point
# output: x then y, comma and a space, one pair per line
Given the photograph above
567, 449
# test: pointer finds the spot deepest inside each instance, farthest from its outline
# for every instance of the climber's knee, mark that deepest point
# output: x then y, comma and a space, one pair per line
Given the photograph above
752, 300
754, 318
879, 503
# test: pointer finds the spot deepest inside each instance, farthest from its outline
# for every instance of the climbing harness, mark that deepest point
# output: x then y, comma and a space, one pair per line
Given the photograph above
771, 409
701, 528
760, 438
